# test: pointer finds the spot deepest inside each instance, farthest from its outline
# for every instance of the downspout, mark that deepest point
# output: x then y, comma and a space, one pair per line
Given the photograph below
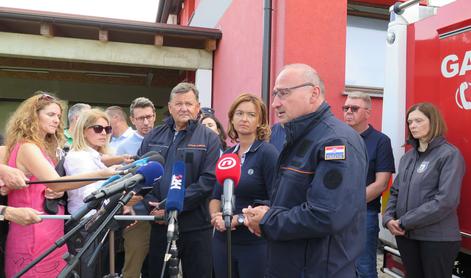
159, 11
266, 58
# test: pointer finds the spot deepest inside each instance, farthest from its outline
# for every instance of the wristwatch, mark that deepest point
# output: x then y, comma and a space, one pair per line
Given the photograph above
240, 219
2, 213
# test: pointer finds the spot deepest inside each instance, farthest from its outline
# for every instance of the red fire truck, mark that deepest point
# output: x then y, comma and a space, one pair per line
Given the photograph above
428, 58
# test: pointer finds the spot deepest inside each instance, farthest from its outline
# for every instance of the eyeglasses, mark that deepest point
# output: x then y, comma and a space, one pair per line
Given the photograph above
283, 92
100, 128
143, 118
354, 108
207, 110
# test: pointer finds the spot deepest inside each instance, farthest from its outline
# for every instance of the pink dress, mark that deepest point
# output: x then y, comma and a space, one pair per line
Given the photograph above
25, 243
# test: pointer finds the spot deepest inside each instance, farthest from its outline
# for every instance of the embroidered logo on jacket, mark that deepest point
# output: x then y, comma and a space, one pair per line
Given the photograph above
423, 166
196, 146
334, 152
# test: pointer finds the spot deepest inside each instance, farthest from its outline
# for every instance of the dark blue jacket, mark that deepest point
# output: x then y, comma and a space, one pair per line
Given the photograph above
255, 185
316, 224
198, 147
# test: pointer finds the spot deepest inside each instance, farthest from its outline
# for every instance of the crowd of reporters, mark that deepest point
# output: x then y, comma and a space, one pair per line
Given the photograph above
306, 205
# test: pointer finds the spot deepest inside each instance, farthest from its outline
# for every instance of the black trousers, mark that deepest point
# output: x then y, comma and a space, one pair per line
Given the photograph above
428, 259
194, 251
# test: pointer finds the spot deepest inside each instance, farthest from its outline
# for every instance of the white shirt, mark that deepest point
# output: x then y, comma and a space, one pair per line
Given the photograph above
78, 162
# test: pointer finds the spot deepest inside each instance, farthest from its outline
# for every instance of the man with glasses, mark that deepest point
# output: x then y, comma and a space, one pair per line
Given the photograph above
356, 112
315, 226
136, 236
182, 138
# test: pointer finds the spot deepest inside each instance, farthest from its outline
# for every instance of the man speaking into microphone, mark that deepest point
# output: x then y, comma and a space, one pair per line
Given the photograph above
181, 138
315, 226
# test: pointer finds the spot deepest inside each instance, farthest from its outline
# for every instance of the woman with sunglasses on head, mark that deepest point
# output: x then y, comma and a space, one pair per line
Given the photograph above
91, 136
421, 210
248, 126
210, 121
34, 134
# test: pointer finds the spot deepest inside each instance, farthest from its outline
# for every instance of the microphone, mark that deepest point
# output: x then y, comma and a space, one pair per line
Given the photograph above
108, 183
228, 174
149, 174
175, 197
153, 157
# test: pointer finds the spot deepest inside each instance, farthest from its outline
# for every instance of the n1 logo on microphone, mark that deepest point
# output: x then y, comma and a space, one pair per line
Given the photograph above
177, 181
227, 163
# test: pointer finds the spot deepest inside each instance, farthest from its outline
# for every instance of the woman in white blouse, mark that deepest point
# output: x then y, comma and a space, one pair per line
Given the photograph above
91, 137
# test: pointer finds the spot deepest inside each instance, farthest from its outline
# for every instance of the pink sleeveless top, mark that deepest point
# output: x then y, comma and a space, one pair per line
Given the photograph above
25, 243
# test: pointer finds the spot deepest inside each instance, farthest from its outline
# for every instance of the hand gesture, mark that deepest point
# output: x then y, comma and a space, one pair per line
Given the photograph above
157, 212
253, 216
12, 178
394, 227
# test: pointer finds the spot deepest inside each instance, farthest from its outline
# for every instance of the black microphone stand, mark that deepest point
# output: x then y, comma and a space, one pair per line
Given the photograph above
171, 253
58, 243
109, 217
227, 224
227, 217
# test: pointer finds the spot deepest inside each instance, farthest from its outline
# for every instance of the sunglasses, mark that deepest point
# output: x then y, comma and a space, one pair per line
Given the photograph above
354, 108
100, 128
46, 97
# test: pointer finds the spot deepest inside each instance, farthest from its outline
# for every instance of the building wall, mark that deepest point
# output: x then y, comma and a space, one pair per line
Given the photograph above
304, 31
238, 59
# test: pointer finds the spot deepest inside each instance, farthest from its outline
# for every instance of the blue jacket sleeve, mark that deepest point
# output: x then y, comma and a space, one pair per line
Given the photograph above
335, 196
270, 159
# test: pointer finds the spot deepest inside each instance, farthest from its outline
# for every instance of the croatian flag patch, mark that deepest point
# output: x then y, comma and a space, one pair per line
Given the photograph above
334, 152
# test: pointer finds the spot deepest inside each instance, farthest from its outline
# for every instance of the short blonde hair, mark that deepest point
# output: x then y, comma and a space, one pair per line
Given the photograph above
85, 120
360, 95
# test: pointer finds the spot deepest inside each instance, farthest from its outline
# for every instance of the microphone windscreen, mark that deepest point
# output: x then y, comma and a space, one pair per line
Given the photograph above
147, 154
156, 157
176, 192
151, 172
228, 167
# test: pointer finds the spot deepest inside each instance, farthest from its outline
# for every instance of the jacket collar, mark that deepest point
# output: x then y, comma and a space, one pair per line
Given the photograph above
301, 125
438, 141
170, 122
253, 148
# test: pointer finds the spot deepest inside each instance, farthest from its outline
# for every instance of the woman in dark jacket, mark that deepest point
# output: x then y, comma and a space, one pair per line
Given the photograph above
421, 211
248, 126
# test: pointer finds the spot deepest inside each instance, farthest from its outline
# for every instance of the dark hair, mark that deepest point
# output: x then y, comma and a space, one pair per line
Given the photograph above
222, 133
140, 102
437, 123
263, 130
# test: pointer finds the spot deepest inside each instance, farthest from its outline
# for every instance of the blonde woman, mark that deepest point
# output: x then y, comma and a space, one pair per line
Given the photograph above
33, 136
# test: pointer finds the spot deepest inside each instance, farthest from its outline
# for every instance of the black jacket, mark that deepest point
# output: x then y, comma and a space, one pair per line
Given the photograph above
198, 147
